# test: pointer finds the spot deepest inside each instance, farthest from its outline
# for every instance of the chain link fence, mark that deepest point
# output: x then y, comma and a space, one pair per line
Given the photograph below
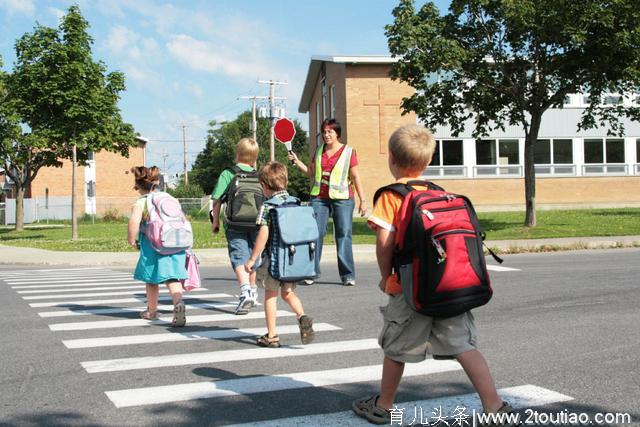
58, 208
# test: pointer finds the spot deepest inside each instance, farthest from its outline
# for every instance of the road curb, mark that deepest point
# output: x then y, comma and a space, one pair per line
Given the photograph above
14, 255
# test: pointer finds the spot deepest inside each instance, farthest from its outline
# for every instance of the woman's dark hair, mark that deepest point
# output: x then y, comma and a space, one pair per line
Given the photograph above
146, 178
331, 123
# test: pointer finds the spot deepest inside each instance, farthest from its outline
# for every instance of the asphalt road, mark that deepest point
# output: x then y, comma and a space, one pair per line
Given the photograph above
562, 325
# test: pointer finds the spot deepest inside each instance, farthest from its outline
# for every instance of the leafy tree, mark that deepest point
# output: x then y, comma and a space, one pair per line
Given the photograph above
189, 191
508, 61
65, 97
22, 153
219, 153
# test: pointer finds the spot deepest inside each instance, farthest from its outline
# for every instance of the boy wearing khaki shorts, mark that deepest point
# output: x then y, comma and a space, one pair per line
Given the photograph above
274, 179
408, 336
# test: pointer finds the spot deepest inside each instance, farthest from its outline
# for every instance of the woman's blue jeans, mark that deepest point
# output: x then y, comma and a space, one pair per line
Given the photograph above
341, 212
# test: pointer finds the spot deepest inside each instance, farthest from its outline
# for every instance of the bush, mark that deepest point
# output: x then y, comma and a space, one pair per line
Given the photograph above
190, 191
112, 215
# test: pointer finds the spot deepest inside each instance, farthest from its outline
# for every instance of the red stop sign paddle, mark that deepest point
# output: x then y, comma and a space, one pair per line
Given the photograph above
284, 131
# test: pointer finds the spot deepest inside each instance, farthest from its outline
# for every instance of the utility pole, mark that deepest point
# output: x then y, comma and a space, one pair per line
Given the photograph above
184, 144
164, 170
272, 84
254, 122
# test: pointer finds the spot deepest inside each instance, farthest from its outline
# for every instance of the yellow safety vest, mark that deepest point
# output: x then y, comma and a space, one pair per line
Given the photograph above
337, 179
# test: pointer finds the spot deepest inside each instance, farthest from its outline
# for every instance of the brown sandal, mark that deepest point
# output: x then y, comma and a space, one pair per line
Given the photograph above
306, 329
267, 341
149, 315
367, 408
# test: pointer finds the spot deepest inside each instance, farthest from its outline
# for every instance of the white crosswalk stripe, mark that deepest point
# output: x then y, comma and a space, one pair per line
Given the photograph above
525, 396
103, 311
55, 291
210, 389
133, 363
111, 324
71, 285
97, 294
140, 298
83, 293
188, 336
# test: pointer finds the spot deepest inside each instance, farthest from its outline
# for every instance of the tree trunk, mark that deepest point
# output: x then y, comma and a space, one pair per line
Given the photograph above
530, 171
74, 218
19, 207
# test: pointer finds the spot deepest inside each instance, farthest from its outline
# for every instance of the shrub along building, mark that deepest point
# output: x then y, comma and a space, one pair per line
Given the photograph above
103, 186
573, 169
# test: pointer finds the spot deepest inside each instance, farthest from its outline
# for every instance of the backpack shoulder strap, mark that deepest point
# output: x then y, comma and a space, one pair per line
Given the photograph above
235, 169
398, 187
274, 201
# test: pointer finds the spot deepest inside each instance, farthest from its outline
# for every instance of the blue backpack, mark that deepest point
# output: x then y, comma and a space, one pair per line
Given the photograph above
293, 237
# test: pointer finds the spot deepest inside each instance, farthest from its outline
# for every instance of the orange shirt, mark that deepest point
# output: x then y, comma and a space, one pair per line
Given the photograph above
385, 216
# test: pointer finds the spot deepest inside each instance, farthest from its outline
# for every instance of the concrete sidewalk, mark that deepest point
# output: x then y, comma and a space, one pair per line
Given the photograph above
12, 255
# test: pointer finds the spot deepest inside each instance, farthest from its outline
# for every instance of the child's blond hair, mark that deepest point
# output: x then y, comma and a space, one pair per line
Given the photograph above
412, 147
247, 151
274, 176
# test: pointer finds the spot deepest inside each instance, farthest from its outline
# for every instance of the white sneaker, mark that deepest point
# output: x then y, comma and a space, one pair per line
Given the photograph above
254, 296
245, 302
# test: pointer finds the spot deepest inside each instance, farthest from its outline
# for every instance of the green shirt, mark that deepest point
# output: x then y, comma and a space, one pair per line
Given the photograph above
225, 179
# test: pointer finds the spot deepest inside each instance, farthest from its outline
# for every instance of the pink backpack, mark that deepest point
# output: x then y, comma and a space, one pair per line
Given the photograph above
167, 228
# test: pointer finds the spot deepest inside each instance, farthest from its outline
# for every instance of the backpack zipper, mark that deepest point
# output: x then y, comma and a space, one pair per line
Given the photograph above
442, 254
429, 213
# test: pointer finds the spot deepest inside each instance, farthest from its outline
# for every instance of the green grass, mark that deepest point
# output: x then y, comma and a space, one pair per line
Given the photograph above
111, 236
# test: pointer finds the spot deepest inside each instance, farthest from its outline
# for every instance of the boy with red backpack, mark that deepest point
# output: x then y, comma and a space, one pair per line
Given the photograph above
240, 189
407, 333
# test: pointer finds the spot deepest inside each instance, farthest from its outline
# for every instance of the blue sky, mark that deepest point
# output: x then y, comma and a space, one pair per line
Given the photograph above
187, 61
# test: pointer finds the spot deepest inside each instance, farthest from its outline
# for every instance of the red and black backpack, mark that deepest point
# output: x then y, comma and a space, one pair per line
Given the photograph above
438, 253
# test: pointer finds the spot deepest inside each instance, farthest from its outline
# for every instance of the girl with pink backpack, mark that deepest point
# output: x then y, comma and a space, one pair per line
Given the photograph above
155, 266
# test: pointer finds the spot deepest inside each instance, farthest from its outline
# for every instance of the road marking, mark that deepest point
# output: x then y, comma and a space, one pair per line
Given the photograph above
268, 383
492, 267
165, 307
162, 321
57, 291
56, 269
99, 294
141, 298
70, 285
219, 334
519, 397
32, 281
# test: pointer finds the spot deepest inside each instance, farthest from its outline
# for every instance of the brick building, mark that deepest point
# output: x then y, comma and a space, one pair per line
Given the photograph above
103, 185
358, 92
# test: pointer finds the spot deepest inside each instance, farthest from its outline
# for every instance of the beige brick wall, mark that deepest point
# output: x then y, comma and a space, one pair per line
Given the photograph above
365, 84
114, 183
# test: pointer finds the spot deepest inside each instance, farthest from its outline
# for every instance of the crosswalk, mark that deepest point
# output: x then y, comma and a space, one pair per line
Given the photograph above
79, 304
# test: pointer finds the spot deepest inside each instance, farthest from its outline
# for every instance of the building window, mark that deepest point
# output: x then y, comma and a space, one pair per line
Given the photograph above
497, 157
447, 159
612, 100
602, 156
90, 156
554, 157
332, 100
324, 98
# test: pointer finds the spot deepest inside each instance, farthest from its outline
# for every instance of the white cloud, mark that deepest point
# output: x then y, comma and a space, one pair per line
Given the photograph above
120, 39
25, 7
58, 13
214, 58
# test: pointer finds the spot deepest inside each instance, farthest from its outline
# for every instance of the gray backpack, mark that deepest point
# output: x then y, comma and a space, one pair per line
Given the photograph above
244, 198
